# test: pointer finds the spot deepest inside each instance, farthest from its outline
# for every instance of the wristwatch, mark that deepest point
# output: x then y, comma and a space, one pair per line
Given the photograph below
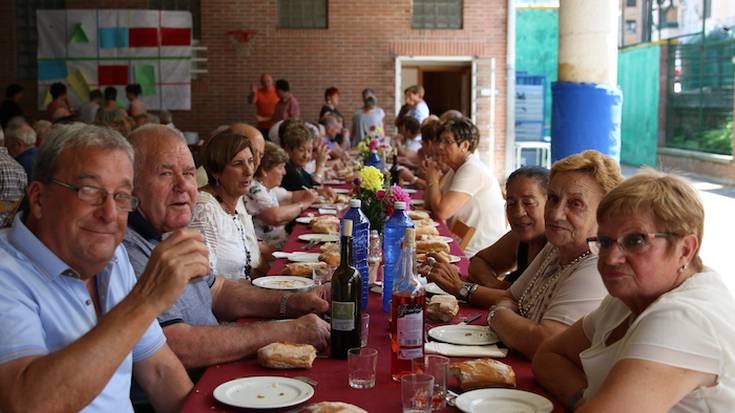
466, 291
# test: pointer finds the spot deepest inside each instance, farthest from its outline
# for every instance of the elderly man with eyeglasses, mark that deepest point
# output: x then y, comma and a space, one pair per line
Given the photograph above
75, 324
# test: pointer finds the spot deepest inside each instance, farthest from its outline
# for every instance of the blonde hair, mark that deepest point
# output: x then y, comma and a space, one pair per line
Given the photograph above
672, 202
602, 168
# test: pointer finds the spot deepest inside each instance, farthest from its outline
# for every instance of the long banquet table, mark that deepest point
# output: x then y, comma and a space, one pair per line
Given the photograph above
332, 374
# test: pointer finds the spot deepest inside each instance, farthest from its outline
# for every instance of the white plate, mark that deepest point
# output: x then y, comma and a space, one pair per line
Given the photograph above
333, 182
432, 288
319, 237
323, 205
304, 257
283, 282
341, 191
409, 190
417, 202
464, 334
503, 401
304, 220
263, 392
440, 238
281, 254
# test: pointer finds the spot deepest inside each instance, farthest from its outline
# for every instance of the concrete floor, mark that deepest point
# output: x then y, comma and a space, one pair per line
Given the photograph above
719, 224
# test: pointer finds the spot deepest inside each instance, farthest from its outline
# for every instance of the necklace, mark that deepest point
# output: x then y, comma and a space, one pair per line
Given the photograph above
533, 300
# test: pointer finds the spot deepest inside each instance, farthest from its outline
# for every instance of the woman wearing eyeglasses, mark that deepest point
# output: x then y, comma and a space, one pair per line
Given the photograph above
664, 339
473, 193
561, 284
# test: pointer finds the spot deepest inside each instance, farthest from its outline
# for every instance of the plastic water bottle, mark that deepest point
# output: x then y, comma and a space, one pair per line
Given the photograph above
360, 245
393, 232
373, 159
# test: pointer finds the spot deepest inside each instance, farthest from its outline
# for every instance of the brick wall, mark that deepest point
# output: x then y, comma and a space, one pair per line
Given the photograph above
358, 50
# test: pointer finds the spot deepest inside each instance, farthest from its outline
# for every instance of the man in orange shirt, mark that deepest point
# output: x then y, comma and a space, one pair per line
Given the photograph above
265, 100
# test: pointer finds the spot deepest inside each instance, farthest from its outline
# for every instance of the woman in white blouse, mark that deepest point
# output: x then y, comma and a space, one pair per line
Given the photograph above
664, 339
220, 212
271, 206
473, 194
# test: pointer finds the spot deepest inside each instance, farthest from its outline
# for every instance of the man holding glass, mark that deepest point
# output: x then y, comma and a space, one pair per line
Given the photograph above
75, 324
166, 185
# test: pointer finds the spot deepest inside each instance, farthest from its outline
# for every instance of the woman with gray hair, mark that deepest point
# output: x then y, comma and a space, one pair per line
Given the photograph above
664, 339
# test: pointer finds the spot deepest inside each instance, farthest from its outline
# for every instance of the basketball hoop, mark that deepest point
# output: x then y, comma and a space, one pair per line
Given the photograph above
240, 40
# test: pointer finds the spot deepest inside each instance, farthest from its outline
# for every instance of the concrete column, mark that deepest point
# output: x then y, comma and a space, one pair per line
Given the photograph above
586, 100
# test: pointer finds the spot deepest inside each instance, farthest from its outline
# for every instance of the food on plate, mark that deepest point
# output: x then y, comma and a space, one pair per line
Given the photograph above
483, 373
423, 247
342, 199
330, 258
442, 308
423, 228
325, 224
334, 407
418, 215
329, 247
282, 355
302, 269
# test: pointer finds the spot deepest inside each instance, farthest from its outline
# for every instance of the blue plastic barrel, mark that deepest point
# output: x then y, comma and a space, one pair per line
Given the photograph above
585, 116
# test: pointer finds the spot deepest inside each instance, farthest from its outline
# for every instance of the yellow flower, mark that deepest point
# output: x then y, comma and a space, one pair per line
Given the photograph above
371, 178
362, 147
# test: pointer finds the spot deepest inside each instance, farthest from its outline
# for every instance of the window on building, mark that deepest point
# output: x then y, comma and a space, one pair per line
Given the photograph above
302, 14
182, 5
436, 14
630, 26
26, 35
630, 3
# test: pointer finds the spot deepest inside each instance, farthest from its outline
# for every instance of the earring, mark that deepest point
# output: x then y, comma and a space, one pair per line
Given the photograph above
682, 268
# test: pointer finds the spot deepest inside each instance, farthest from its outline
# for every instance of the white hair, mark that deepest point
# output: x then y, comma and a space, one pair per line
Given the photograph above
24, 133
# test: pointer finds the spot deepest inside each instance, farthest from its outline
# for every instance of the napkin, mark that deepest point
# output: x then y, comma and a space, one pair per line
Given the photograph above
325, 211
454, 350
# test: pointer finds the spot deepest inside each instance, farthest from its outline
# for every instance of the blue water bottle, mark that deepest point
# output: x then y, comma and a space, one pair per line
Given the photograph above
360, 244
393, 232
373, 159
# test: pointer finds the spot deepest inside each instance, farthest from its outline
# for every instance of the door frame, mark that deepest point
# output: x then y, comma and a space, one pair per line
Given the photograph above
418, 60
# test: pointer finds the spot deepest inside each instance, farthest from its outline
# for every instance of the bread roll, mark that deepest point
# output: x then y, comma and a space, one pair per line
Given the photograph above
418, 215
302, 269
334, 407
329, 247
426, 230
423, 247
483, 373
325, 224
330, 258
287, 356
442, 308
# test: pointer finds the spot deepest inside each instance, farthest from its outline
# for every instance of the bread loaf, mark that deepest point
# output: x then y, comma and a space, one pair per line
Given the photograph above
483, 373
302, 269
287, 356
423, 247
426, 230
330, 258
442, 308
418, 215
334, 407
325, 224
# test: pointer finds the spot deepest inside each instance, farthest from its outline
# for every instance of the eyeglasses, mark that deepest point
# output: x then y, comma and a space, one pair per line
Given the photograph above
634, 243
97, 196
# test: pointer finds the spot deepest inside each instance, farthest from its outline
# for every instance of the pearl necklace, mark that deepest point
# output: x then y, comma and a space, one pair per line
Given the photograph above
533, 298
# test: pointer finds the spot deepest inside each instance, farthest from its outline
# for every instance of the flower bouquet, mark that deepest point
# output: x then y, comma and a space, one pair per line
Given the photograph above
377, 198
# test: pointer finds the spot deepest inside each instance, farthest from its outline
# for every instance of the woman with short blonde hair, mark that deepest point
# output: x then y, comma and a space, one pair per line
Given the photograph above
664, 339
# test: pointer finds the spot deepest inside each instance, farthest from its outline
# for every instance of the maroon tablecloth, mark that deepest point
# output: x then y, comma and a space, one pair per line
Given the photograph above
332, 374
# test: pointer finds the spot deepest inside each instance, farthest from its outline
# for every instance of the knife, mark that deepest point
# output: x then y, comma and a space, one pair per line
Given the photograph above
471, 319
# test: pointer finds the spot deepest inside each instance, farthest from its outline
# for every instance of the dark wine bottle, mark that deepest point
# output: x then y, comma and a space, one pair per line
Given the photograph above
394, 180
346, 299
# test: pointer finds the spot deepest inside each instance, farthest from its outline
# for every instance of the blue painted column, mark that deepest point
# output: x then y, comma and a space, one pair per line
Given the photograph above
586, 101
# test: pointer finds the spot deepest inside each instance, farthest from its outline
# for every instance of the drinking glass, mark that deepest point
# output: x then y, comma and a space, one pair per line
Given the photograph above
321, 273
435, 366
416, 393
361, 364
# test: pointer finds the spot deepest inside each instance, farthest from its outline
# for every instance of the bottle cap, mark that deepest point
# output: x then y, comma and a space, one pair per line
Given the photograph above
347, 227
399, 205
355, 203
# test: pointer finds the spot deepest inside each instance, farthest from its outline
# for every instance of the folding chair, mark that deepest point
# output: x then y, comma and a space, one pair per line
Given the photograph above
463, 231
